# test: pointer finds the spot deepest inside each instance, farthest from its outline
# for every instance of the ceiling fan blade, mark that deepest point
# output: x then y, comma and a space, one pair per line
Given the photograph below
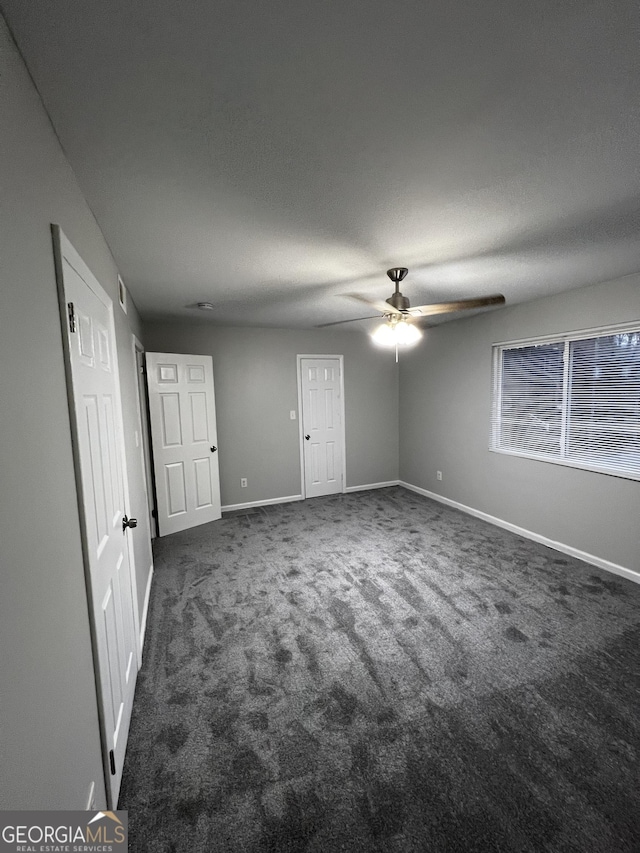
459, 305
354, 320
383, 307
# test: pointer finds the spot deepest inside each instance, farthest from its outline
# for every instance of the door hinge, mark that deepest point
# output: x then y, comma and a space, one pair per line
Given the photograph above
112, 762
72, 316
154, 513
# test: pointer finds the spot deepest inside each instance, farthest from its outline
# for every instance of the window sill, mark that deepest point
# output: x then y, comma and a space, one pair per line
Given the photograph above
568, 463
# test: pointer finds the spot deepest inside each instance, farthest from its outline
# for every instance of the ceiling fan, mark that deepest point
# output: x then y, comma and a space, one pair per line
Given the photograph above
400, 327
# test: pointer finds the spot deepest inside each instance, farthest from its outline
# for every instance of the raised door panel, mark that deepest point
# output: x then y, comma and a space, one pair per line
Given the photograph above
329, 408
330, 456
314, 455
195, 374
176, 489
167, 374
314, 422
125, 627
104, 355
199, 421
202, 478
93, 475
171, 419
114, 699
86, 348
112, 478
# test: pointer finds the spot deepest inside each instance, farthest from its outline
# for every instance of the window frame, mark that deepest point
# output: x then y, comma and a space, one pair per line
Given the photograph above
565, 338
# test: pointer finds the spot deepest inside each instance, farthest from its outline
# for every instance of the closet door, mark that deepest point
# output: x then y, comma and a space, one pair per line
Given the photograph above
184, 440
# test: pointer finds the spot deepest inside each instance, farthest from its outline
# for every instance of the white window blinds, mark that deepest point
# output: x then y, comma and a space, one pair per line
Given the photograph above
574, 400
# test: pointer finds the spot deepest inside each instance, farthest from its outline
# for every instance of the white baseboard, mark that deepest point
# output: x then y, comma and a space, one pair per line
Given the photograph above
614, 568
291, 498
286, 500
145, 610
372, 486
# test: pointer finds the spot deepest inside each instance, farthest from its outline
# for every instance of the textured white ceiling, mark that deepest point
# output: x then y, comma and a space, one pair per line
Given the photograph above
271, 157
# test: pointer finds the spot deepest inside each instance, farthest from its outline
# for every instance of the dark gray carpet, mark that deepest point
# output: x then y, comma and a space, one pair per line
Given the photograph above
378, 672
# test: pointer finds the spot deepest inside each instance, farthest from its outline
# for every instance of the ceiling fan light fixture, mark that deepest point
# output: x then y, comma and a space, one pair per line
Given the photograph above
398, 333
407, 334
383, 335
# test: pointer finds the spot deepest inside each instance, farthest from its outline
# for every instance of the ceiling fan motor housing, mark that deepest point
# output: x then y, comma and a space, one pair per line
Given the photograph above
400, 302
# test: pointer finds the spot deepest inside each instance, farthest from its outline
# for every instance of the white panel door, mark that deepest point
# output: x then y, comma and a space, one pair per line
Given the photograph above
184, 439
99, 448
322, 425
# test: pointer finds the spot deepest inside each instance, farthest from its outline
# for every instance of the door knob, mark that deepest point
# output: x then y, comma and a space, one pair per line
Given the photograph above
128, 522
307, 437
213, 448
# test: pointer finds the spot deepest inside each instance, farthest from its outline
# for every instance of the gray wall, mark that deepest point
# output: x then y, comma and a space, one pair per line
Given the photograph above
445, 405
49, 742
256, 387
49, 738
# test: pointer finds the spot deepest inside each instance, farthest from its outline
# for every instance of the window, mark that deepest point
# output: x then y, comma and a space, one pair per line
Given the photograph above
574, 400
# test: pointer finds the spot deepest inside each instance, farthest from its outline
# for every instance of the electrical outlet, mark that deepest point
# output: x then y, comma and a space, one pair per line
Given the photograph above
292, 414
243, 482
438, 475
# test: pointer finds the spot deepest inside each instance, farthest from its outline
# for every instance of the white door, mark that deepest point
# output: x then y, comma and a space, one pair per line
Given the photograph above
322, 421
100, 468
183, 437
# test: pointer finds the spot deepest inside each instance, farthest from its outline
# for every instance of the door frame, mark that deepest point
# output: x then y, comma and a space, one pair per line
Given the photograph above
343, 431
62, 247
142, 402
142, 410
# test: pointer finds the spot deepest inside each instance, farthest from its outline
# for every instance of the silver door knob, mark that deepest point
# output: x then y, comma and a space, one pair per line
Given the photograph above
128, 522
